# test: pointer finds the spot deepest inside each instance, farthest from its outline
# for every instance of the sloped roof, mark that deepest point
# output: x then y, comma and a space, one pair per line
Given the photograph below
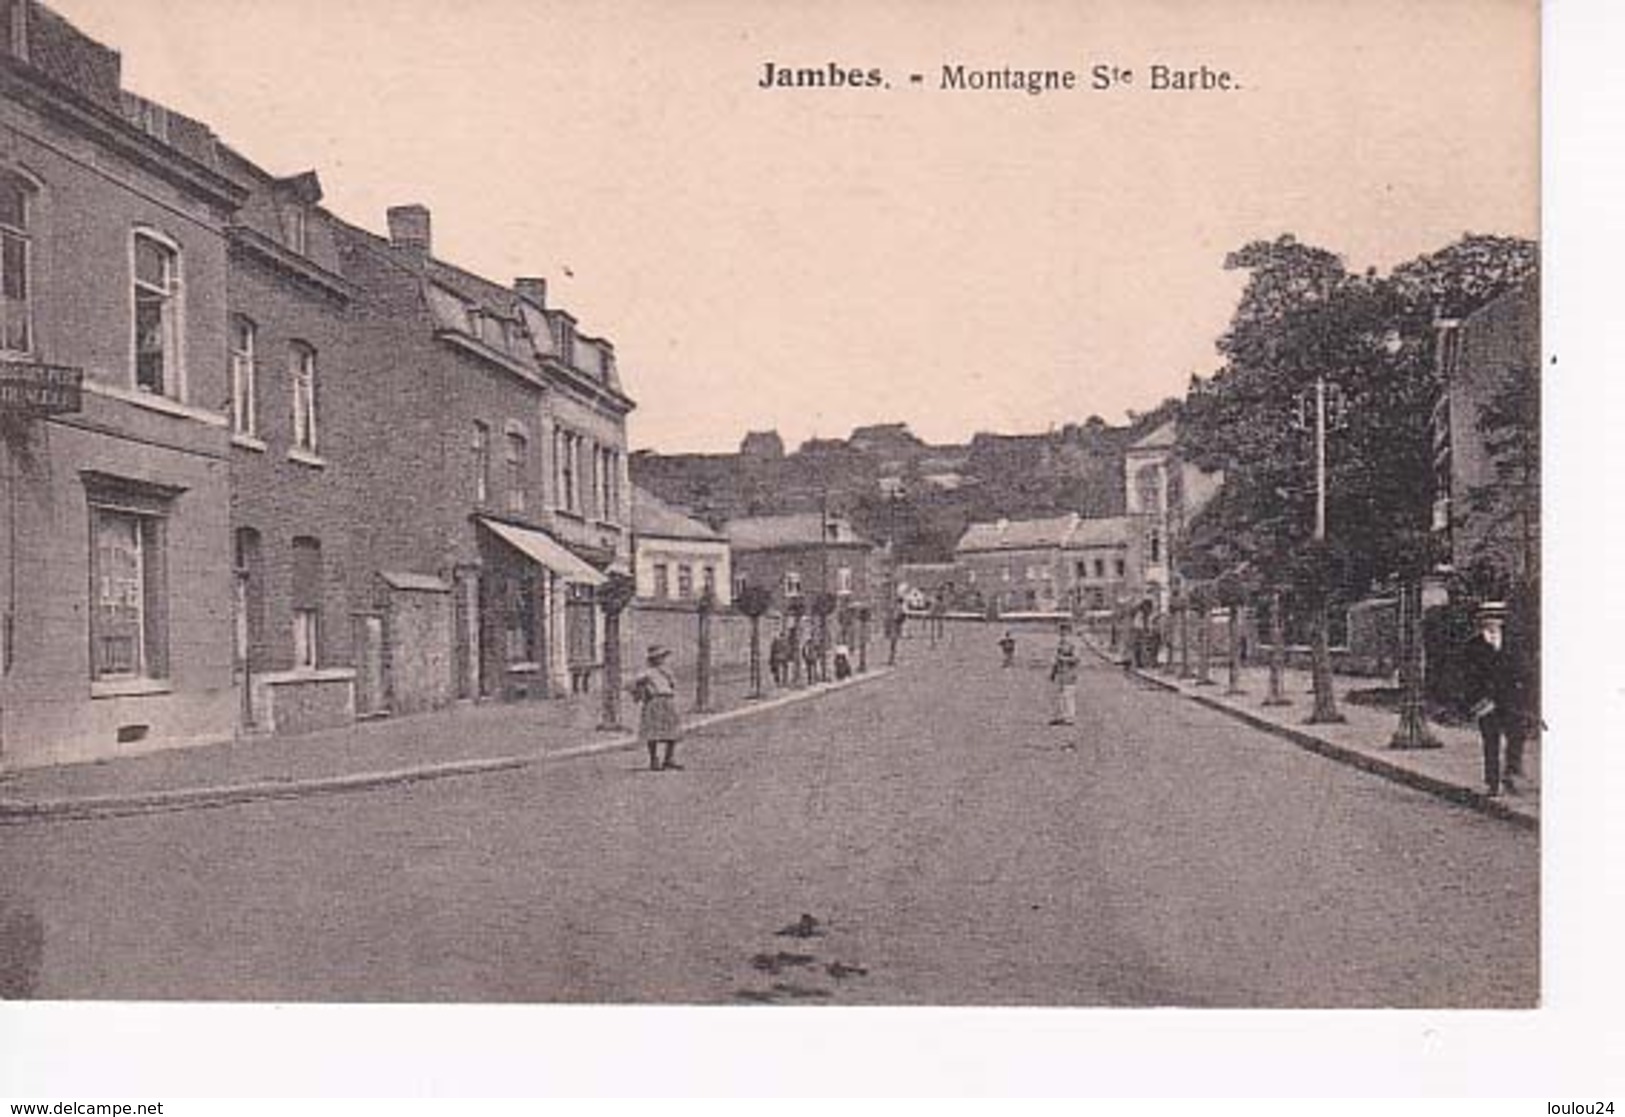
654, 518
1019, 535
762, 533
1102, 531
1164, 437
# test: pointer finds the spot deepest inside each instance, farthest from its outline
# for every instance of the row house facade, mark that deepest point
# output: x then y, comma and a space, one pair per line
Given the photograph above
1017, 565
800, 555
115, 576
267, 471
678, 559
496, 500
1070, 563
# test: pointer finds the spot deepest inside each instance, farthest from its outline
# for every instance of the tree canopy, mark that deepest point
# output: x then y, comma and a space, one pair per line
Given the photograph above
1303, 318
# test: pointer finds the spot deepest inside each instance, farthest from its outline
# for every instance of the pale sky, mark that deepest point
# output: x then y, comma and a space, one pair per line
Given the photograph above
816, 259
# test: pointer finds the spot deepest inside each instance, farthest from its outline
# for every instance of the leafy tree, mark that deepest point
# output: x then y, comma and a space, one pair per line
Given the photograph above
1301, 317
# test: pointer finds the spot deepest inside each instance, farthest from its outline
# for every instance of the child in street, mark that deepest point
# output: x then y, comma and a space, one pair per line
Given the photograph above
1007, 645
1064, 674
658, 723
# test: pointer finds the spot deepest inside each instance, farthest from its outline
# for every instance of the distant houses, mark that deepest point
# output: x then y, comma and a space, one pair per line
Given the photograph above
801, 555
677, 558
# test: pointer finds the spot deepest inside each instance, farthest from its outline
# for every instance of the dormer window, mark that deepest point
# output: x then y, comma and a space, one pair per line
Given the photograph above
15, 27
565, 332
295, 228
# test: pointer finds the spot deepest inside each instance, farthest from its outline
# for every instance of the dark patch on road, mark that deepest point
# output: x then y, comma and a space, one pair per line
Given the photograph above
840, 971
773, 963
806, 927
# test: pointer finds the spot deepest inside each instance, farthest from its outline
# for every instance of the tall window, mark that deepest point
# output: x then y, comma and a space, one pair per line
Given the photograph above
662, 581
1148, 488
127, 579
1122, 568
16, 334
685, 581
516, 472
307, 602
1156, 547
482, 463
14, 26
296, 227
1100, 568
843, 580
792, 583
302, 372
520, 610
157, 316
708, 581
244, 417
565, 448
249, 604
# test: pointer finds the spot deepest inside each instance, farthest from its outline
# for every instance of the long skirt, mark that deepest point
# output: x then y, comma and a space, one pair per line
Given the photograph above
1066, 703
659, 720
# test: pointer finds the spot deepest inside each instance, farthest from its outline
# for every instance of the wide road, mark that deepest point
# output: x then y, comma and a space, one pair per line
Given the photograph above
948, 845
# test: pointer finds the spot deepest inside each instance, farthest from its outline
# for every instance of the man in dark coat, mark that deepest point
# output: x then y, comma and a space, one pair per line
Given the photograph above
1494, 695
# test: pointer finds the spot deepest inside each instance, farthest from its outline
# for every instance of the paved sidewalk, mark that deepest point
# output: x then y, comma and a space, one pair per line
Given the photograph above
463, 740
1454, 771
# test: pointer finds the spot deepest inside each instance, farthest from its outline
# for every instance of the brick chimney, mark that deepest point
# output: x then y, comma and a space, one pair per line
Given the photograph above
409, 228
532, 289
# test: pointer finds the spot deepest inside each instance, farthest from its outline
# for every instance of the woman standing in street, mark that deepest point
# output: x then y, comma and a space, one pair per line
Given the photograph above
656, 692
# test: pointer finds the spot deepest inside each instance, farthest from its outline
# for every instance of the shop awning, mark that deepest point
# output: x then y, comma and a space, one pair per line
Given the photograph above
546, 551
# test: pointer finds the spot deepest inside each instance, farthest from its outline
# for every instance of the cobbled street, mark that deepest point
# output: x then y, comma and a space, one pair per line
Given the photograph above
924, 839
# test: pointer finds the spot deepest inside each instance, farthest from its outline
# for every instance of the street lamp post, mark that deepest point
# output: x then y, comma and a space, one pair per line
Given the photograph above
1325, 710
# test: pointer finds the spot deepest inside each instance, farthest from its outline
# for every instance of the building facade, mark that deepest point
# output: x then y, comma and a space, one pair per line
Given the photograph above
1486, 511
677, 559
1105, 565
1019, 566
1162, 493
801, 555
116, 577
496, 501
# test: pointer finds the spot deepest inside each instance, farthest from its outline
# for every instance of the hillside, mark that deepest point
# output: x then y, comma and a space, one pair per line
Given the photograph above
895, 486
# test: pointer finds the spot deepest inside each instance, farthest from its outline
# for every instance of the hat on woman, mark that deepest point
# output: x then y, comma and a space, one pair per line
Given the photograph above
1492, 610
658, 652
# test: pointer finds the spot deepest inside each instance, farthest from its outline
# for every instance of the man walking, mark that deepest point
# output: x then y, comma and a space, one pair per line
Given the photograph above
1494, 694
1064, 674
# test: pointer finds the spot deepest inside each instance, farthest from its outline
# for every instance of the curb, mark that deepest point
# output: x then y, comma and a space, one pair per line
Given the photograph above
15, 812
1376, 765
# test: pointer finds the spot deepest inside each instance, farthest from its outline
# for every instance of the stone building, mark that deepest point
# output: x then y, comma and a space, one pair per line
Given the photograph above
115, 565
1485, 511
1162, 494
495, 464
800, 555
677, 559
1019, 566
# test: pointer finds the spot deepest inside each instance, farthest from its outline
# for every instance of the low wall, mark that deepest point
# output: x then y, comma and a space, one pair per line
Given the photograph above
301, 702
678, 629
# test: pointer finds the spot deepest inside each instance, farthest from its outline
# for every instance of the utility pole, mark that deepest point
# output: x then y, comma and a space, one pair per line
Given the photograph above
1325, 710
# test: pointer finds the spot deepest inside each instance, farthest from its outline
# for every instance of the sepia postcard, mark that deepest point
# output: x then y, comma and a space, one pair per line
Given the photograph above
772, 506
